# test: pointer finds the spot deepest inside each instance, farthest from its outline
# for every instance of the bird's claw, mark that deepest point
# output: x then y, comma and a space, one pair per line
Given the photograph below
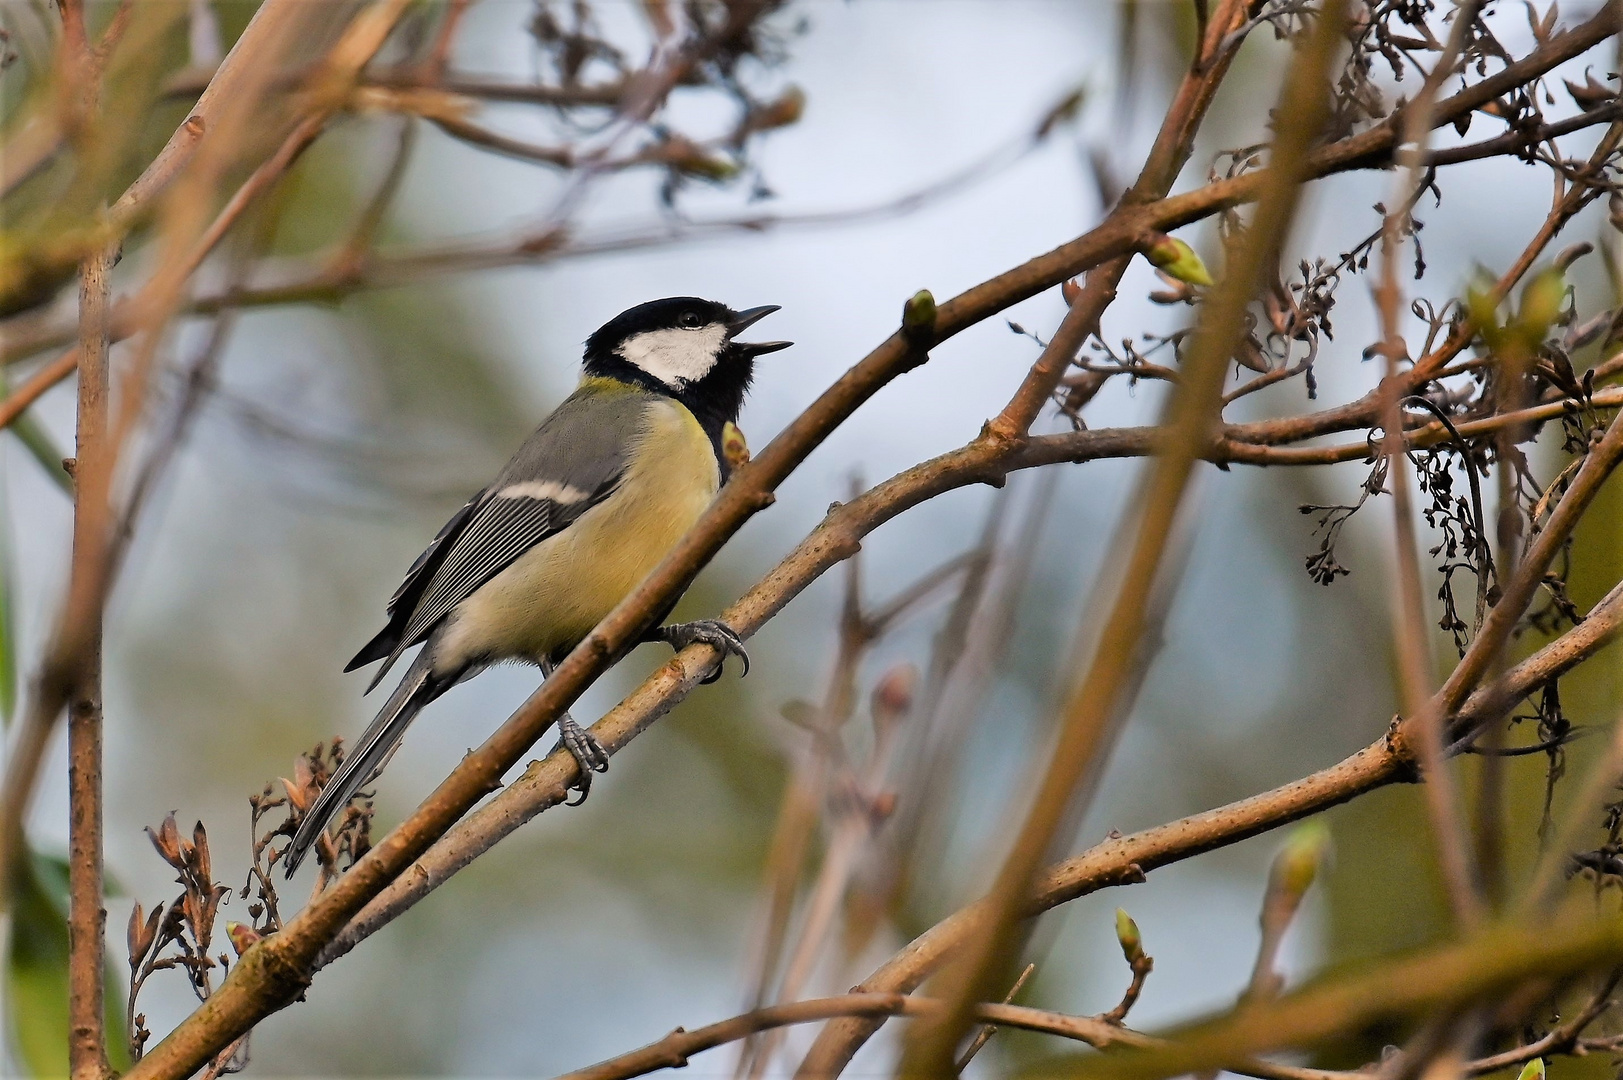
713, 632
587, 752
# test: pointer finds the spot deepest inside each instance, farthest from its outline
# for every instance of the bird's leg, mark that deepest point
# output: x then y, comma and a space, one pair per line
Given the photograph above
582, 746
713, 632
587, 752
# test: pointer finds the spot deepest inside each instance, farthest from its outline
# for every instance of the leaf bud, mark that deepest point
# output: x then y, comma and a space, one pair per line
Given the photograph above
1299, 860
918, 317
1177, 259
242, 937
1132, 942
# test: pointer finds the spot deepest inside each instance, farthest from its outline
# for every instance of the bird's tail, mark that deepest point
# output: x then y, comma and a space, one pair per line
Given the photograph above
372, 749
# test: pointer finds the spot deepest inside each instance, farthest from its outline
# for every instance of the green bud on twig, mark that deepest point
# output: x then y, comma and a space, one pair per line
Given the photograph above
1176, 259
1132, 943
1298, 862
918, 317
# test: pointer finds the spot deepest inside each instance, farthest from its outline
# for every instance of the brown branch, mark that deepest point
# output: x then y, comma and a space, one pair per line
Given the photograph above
984, 1034
1437, 982
87, 918
349, 270
1173, 145
439, 56
1126, 860
1563, 1039
271, 973
1440, 976
137, 199
805, 800
484, 138
674, 1050
604, 95
1411, 633
273, 26
1116, 237
1103, 694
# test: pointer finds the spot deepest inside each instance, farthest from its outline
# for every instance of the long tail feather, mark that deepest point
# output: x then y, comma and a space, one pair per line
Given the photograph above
371, 750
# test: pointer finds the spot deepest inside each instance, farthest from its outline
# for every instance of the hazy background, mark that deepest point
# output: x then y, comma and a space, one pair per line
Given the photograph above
343, 436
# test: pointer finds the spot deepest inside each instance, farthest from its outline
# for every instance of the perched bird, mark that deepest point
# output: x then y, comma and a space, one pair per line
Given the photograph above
592, 501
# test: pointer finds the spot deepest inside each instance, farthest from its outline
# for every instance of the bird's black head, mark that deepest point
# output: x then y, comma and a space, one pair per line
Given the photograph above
687, 348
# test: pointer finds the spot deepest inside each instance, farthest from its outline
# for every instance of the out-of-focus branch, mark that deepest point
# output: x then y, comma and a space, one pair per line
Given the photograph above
804, 798
274, 26
1120, 234
1436, 981
136, 201
674, 1050
34, 387
1103, 693
1411, 633
1127, 859
1437, 978
353, 268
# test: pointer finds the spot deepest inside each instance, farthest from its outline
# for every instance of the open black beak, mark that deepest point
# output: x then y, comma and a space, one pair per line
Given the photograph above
749, 318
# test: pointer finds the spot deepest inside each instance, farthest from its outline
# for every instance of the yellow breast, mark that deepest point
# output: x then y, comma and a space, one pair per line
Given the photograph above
550, 597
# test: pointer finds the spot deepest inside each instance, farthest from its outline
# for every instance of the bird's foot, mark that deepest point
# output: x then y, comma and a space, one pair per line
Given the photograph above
587, 752
713, 632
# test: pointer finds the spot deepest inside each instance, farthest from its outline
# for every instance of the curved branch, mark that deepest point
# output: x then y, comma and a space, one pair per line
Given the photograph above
273, 973
674, 1050
1127, 859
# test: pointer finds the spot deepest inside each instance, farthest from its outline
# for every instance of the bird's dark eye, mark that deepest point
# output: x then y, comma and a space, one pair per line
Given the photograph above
689, 320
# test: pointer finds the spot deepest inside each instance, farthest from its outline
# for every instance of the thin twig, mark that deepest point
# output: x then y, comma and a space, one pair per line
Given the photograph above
984, 1033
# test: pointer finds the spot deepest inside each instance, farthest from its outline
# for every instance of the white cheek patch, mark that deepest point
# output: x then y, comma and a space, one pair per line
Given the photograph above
676, 357
556, 491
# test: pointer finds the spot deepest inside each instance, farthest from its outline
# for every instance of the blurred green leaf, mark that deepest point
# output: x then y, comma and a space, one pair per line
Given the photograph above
37, 975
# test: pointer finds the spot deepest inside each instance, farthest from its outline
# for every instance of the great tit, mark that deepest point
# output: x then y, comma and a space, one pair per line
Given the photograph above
592, 501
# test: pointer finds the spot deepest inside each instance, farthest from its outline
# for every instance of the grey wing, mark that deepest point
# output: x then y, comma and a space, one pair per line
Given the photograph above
386, 644
502, 530
571, 463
